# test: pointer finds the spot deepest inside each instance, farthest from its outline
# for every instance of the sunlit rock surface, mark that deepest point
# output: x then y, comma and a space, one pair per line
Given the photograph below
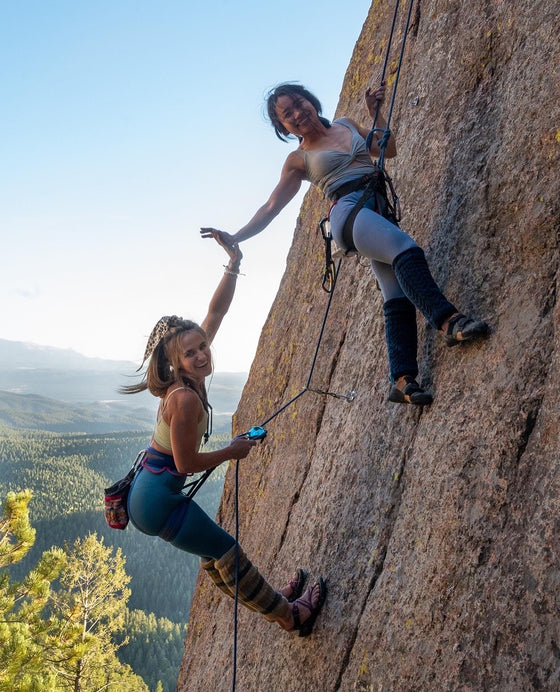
437, 529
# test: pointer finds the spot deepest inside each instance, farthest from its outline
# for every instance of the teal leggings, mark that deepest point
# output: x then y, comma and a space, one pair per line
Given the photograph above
157, 507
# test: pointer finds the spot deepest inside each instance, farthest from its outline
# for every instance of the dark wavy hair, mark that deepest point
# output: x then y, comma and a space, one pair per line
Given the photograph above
288, 89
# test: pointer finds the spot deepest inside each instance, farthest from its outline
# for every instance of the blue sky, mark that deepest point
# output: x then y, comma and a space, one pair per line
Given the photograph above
125, 127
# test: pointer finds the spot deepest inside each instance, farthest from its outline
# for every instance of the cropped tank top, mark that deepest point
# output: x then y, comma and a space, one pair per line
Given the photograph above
328, 169
162, 433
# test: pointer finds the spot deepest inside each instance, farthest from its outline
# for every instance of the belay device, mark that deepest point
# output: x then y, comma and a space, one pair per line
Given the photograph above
256, 433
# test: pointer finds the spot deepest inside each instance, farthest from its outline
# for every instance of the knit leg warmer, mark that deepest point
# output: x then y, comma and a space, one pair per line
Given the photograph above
254, 592
417, 283
401, 337
210, 568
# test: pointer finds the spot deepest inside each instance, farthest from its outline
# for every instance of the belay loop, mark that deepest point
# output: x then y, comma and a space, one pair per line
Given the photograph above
375, 195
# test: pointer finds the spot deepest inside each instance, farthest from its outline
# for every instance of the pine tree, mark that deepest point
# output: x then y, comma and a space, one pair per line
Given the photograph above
16, 534
52, 641
24, 631
92, 602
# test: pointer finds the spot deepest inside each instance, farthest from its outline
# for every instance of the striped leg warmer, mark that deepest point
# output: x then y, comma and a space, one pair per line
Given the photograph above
254, 592
210, 568
417, 283
401, 337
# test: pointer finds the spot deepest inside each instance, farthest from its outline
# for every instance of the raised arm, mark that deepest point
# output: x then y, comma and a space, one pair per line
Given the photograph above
223, 295
293, 173
374, 101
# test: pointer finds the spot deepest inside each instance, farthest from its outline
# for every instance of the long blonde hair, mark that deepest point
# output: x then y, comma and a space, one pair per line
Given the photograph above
164, 366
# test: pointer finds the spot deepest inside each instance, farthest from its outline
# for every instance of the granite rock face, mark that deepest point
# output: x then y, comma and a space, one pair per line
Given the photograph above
437, 529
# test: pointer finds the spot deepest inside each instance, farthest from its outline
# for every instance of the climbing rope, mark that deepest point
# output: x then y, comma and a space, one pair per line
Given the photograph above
350, 396
391, 210
383, 73
258, 432
331, 272
236, 597
382, 143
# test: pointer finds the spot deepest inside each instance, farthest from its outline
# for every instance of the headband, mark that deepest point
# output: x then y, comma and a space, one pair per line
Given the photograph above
158, 333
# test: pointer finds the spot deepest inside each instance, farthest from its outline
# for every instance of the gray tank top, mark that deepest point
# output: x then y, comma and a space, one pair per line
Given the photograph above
328, 169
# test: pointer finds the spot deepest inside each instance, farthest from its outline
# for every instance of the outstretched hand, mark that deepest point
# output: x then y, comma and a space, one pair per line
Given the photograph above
225, 240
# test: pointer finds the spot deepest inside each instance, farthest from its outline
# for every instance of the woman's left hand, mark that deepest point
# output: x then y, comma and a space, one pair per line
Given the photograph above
375, 95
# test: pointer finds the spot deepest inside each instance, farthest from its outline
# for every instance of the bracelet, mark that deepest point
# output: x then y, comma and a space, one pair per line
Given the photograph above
232, 272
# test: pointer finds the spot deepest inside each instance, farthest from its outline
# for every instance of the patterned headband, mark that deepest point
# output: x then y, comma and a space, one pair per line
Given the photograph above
158, 333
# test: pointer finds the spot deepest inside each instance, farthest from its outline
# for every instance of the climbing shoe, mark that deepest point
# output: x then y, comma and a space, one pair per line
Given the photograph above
462, 328
411, 393
294, 587
312, 600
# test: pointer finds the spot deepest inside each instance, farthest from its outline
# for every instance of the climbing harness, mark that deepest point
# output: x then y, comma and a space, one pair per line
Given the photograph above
375, 197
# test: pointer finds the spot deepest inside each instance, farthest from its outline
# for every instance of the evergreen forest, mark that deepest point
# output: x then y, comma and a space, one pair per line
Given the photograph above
65, 474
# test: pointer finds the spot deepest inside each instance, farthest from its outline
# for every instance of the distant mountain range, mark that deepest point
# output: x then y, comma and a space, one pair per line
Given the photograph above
48, 388
34, 412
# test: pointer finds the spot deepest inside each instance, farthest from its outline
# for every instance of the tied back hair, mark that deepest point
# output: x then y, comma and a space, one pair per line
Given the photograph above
164, 366
291, 90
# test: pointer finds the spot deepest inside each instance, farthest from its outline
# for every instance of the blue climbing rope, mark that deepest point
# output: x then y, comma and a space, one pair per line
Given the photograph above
236, 598
382, 143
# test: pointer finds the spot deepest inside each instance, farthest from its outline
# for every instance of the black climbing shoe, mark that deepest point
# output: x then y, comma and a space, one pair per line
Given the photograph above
411, 393
462, 328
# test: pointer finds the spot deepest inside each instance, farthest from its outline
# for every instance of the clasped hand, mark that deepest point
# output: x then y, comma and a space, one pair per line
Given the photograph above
226, 240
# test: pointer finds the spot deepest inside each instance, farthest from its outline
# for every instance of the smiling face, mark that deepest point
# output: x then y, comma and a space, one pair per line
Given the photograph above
188, 356
296, 114
195, 357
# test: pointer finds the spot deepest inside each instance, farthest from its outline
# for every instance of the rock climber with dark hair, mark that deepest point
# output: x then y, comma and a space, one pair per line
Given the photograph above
178, 361
334, 158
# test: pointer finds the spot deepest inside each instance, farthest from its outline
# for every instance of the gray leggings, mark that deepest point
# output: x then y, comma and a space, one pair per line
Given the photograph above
375, 238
